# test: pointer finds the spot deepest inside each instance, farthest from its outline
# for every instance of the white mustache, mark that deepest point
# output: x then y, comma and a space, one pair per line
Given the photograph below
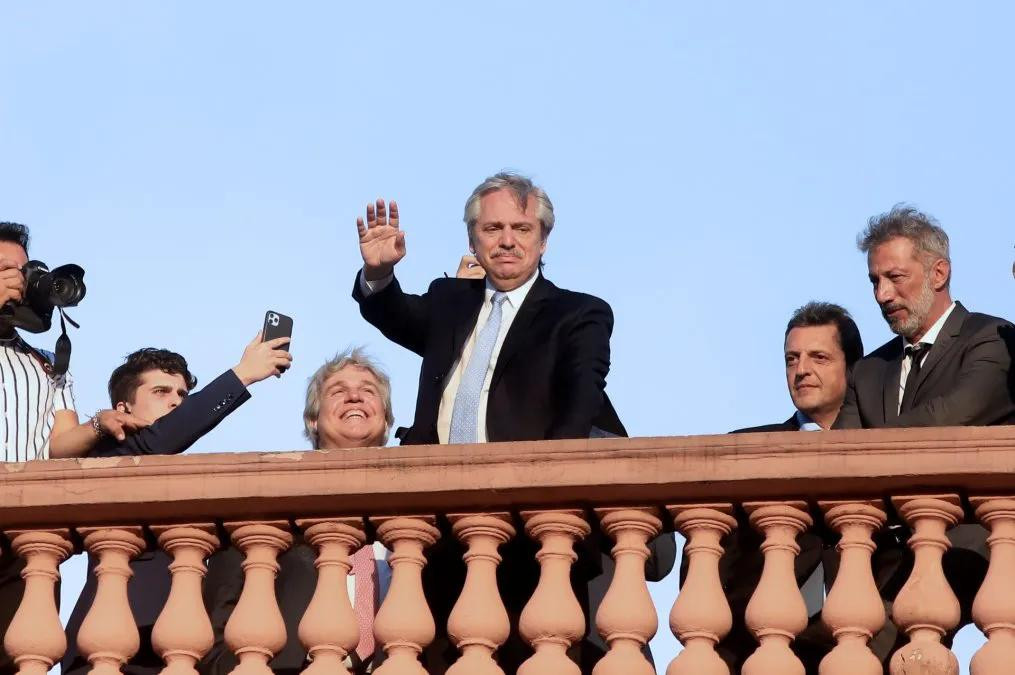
501, 252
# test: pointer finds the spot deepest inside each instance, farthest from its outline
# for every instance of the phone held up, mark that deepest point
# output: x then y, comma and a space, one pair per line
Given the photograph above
277, 325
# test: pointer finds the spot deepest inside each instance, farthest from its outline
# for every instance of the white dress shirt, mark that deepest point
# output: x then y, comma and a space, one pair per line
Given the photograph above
929, 338
509, 310
805, 422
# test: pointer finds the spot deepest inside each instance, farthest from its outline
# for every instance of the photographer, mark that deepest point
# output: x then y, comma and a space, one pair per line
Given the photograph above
39, 420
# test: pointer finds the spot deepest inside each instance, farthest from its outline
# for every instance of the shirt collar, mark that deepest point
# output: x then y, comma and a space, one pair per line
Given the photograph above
935, 330
514, 297
805, 423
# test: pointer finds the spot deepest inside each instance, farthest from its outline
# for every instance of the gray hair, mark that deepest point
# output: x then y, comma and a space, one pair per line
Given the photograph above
354, 356
522, 188
905, 221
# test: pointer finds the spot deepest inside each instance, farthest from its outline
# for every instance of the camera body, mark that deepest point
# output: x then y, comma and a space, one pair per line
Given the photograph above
46, 290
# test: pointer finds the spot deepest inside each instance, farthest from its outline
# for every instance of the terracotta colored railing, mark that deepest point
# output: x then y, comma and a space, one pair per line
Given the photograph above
784, 481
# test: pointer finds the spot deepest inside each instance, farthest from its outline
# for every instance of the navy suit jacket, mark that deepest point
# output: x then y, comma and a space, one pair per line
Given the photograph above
148, 591
550, 377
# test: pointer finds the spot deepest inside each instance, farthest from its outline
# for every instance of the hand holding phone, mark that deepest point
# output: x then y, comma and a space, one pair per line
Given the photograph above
277, 325
268, 353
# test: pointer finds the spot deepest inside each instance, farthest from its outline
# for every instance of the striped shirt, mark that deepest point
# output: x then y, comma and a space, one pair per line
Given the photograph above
30, 399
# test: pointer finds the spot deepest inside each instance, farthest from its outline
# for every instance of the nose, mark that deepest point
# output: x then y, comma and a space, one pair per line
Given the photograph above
352, 395
803, 368
883, 292
507, 238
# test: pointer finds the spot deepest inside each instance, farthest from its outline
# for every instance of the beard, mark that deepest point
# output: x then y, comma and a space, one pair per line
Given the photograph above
916, 314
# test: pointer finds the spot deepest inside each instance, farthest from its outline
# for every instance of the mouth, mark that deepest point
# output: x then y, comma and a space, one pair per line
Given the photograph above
354, 414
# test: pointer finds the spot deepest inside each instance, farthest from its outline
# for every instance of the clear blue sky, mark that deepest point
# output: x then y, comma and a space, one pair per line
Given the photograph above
711, 165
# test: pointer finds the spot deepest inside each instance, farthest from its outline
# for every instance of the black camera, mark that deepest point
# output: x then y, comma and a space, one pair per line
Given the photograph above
44, 291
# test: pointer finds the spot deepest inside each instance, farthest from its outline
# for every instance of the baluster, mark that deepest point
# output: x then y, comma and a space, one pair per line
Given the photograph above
993, 609
627, 617
183, 634
701, 616
404, 624
776, 612
35, 637
853, 610
328, 629
552, 619
479, 623
108, 636
255, 630
926, 608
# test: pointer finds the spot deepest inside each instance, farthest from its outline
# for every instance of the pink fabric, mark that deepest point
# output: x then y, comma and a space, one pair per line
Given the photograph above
365, 605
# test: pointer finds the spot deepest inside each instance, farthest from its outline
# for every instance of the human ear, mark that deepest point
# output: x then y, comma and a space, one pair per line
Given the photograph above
942, 272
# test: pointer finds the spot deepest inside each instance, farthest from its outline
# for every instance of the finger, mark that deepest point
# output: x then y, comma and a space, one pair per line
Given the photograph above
115, 428
400, 242
7, 264
275, 343
257, 338
393, 220
371, 216
134, 420
360, 227
382, 216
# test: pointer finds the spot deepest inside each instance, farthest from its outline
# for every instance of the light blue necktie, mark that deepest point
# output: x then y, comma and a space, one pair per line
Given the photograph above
465, 415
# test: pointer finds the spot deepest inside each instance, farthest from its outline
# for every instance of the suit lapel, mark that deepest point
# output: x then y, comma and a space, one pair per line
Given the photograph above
892, 374
464, 321
519, 331
946, 341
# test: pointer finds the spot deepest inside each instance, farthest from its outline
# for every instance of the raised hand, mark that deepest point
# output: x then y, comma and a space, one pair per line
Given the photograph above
469, 268
381, 243
262, 359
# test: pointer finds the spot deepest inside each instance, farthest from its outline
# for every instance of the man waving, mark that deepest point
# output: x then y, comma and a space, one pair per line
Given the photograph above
507, 358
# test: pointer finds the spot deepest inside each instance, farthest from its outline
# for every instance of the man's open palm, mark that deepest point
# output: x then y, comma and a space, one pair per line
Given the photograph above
381, 243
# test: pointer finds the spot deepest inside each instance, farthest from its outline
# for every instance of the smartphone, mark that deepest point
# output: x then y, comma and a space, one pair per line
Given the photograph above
276, 325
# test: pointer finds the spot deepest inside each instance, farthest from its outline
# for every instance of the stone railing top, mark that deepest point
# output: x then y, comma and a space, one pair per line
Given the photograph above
418, 479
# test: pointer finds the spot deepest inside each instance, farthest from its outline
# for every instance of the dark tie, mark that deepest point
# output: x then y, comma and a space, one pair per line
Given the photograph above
916, 354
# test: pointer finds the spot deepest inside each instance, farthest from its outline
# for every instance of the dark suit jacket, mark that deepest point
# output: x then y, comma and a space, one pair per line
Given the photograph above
148, 590
789, 425
966, 379
550, 377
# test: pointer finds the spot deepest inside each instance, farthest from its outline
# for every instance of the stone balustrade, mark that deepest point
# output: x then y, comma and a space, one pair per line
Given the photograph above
555, 493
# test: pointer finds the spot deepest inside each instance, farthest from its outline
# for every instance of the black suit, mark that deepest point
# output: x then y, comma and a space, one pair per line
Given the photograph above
148, 590
550, 377
965, 380
549, 382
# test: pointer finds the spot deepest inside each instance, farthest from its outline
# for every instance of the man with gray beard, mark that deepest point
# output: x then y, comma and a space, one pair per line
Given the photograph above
947, 367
